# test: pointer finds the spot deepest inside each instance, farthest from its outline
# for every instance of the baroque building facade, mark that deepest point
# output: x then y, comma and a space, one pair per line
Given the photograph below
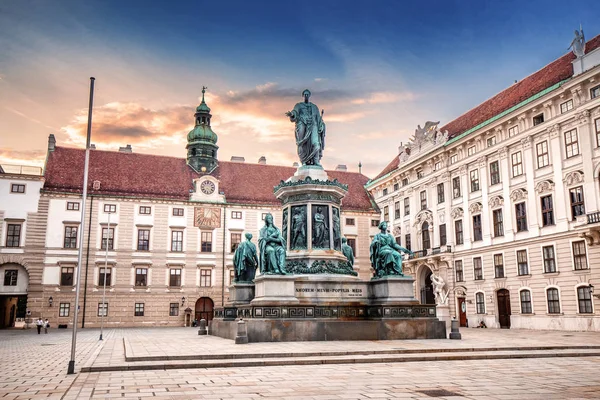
160, 231
502, 203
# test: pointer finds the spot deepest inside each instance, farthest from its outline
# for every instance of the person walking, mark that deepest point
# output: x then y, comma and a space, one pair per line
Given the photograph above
39, 324
46, 325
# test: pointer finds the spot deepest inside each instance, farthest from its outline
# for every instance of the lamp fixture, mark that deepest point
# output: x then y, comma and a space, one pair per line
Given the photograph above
591, 288
182, 301
50, 301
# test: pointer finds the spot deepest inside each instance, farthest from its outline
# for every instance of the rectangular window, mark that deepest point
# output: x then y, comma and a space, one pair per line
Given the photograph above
437, 166
144, 239
474, 180
595, 92
177, 212
385, 192
70, 237
513, 130
553, 301
141, 277
374, 223
175, 277
139, 310
471, 151
173, 309
263, 215
205, 275
423, 197
351, 222
406, 206
584, 298
66, 276
352, 244
498, 266
547, 211
236, 239
566, 106
107, 237
177, 241
597, 125
543, 160
386, 213
522, 264
491, 141
571, 143
443, 239
397, 210
453, 158
72, 206
517, 164
145, 210
10, 277
102, 273
102, 309
458, 231
538, 119
419, 174
236, 215
498, 223
458, 267
110, 208
13, 235
480, 303
440, 193
579, 255
477, 235
206, 242
456, 187
521, 213
63, 310
407, 241
549, 259
577, 204
494, 173
477, 269
404, 181
396, 186
17, 188
525, 296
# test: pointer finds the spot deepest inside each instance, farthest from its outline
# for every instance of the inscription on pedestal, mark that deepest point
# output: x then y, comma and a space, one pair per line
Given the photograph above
331, 291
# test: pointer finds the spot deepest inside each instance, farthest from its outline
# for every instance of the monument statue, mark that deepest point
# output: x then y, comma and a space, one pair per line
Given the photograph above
320, 238
386, 257
441, 295
310, 130
272, 249
578, 43
336, 228
298, 233
347, 251
245, 261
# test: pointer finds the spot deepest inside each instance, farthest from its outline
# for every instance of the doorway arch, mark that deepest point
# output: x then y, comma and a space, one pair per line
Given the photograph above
204, 309
426, 295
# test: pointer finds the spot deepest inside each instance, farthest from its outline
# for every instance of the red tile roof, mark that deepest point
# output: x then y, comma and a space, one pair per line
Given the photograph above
151, 176
551, 74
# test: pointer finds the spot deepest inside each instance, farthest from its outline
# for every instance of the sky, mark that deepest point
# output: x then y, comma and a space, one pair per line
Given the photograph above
377, 68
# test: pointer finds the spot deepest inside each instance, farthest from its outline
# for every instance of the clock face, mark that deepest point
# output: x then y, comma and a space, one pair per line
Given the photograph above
207, 187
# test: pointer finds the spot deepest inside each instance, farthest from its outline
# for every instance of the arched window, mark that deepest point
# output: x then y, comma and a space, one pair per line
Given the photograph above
525, 296
480, 302
193, 151
425, 235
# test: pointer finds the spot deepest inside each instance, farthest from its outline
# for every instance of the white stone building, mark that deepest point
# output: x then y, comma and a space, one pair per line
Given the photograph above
503, 202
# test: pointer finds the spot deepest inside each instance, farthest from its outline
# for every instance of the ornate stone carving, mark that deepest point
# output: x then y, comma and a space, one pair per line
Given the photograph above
475, 208
445, 176
423, 216
309, 181
518, 194
583, 117
482, 161
441, 216
526, 142
503, 152
573, 177
544, 186
320, 267
462, 170
457, 213
554, 131
496, 201
439, 289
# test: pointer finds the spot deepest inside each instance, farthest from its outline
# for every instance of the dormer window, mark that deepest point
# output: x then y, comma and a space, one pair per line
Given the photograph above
538, 119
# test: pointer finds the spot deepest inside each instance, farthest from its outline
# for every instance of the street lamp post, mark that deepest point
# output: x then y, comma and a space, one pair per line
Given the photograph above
104, 283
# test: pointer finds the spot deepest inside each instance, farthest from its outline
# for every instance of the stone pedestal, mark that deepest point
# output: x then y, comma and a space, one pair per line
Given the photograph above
443, 313
274, 289
392, 290
241, 293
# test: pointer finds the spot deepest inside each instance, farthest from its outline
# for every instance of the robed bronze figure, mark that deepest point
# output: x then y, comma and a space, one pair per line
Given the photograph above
310, 131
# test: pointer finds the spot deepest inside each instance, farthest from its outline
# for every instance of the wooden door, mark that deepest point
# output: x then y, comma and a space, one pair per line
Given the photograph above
462, 311
504, 308
204, 309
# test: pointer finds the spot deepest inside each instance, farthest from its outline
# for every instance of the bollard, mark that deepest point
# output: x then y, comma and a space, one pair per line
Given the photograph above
454, 333
242, 332
202, 327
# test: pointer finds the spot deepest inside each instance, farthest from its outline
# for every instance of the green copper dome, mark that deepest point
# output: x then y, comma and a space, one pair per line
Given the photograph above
203, 108
202, 133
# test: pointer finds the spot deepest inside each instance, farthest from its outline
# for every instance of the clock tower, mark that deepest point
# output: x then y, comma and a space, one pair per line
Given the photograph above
202, 141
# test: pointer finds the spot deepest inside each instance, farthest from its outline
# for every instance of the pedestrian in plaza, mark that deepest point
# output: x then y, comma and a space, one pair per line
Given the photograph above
39, 324
46, 325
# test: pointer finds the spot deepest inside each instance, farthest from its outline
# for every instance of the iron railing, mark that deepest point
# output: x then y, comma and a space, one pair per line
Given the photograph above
430, 252
593, 218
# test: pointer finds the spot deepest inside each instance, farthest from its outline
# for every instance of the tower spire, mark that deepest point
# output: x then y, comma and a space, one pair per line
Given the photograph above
202, 141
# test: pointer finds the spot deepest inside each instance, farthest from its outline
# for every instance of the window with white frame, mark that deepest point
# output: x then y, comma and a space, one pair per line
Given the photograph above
480, 302
386, 213
205, 277
406, 206
66, 276
525, 296
458, 267
440, 193
396, 210
547, 210
141, 276
108, 236
498, 266
498, 222
404, 181
70, 237
143, 239
521, 214
177, 212
145, 210
543, 160
477, 269
102, 309
517, 164
423, 198
584, 299
139, 310
72, 206
538, 119
477, 234
491, 141
206, 242
236, 239
513, 130
566, 106
571, 143
351, 222
17, 188
549, 259
458, 231
453, 158
471, 151
396, 186
595, 92
597, 126
104, 273
494, 173
579, 255
64, 309
553, 299
522, 263
384, 192
474, 180
175, 277
13, 235
236, 215
110, 208
420, 174
577, 203
456, 187
173, 309
177, 241
437, 166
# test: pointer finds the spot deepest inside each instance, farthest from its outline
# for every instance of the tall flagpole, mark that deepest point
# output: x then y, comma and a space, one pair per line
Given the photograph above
71, 368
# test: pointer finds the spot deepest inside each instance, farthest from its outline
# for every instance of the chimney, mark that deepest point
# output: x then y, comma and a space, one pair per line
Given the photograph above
238, 159
341, 167
262, 160
295, 164
92, 146
126, 149
51, 143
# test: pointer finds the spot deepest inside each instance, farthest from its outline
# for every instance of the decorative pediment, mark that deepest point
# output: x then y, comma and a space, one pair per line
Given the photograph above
423, 216
518, 194
544, 186
496, 201
573, 178
425, 138
475, 208
457, 213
